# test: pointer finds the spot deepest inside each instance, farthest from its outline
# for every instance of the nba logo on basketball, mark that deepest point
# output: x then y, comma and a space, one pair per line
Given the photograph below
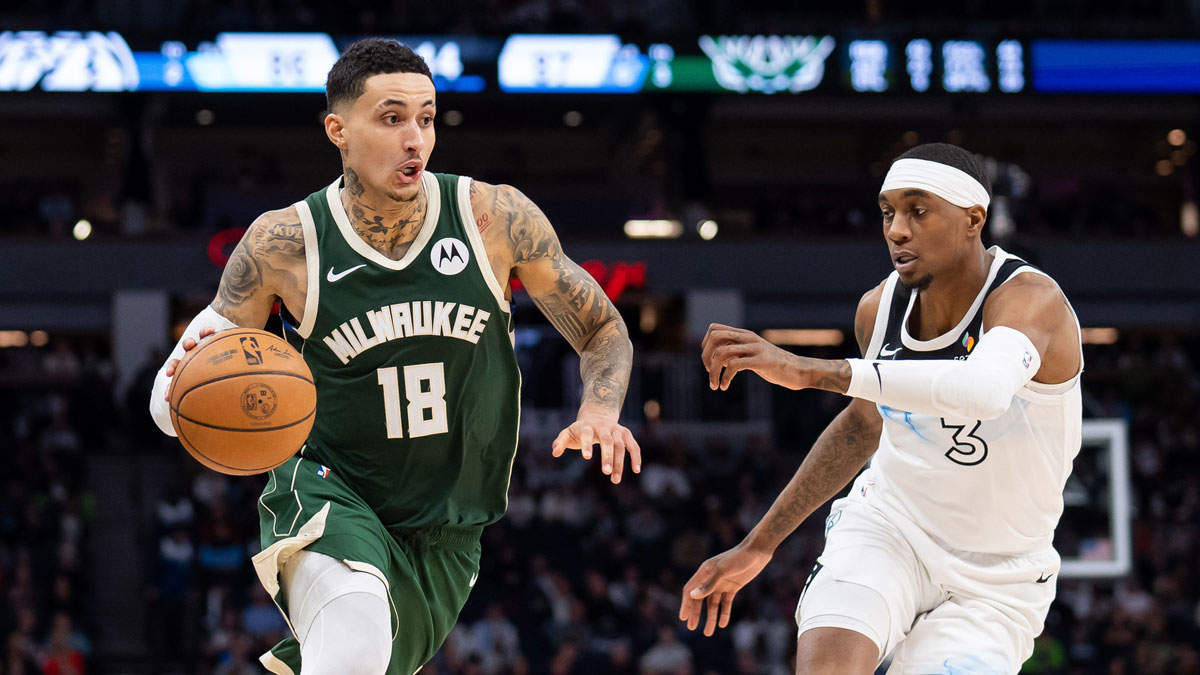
250, 351
323, 471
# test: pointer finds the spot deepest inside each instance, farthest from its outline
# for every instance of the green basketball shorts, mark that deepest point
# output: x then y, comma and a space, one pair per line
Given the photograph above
429, 572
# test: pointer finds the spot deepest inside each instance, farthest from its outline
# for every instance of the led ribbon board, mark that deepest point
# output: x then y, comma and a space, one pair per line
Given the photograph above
603, 64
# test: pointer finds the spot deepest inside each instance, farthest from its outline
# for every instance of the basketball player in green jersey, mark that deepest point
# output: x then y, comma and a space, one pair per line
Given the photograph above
399, 281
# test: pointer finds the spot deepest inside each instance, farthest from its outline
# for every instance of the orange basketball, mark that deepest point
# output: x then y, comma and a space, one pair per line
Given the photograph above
242, 401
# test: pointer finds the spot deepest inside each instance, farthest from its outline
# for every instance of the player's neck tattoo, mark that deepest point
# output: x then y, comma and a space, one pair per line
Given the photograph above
390, 232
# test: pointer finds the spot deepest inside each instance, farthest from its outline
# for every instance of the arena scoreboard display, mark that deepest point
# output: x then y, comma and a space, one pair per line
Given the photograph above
605, 64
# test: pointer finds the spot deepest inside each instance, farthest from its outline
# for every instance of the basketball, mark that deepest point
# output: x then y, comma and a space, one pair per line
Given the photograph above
242, 401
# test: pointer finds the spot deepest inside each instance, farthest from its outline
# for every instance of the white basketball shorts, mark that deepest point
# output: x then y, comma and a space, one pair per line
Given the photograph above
930, 608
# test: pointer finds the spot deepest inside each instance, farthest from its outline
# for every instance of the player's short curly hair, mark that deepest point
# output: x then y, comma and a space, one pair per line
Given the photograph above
952, 155
367, 57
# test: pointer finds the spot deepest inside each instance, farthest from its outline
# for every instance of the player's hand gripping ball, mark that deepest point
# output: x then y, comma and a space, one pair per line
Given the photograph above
242, 401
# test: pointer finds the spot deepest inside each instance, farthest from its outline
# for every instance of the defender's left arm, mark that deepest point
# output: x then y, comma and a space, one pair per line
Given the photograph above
1029, 334
578, 308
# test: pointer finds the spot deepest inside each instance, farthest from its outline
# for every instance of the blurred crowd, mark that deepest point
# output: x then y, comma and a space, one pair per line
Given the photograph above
52, 211
580, 576
55, 409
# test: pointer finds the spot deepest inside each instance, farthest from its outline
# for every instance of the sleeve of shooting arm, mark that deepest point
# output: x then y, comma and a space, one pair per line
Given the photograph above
979, 387
159, 408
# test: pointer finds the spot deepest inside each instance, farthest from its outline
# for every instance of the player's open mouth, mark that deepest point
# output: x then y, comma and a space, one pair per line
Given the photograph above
410, 172
904, 261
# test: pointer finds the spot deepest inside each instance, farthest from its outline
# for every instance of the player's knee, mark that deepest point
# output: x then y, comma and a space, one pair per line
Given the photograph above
367, 654
835, 651
367, 647
352, 635
844, 628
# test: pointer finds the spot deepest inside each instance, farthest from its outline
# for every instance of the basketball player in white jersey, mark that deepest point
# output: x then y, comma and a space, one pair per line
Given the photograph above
967, 395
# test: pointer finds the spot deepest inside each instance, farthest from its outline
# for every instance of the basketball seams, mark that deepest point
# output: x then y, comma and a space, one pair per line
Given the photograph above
188, 357
238, 471
231, 376
219, 428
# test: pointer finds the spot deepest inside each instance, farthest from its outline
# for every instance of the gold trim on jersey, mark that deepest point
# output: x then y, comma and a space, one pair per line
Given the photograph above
483, 262
312, 256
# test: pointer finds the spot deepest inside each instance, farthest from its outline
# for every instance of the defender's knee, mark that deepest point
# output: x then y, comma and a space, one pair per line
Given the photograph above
835, 651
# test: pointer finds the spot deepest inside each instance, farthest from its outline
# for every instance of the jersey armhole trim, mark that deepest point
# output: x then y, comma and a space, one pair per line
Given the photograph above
881, 317
312, 256
482, 262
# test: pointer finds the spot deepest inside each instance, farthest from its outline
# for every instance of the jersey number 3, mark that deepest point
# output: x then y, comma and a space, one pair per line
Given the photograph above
425, 389
967, 451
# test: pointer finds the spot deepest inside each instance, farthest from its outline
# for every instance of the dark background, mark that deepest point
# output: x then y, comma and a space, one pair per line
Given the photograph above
119, 554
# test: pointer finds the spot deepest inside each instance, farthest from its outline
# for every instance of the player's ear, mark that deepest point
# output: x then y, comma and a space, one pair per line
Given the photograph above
335, 129
976, 217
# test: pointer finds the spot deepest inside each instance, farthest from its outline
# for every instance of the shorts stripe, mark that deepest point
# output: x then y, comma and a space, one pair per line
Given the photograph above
811, 575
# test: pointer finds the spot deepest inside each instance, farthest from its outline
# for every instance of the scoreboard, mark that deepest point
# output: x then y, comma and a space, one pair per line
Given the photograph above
606, 64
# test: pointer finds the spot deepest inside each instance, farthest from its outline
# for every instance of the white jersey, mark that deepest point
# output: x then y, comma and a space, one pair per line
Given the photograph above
986, 486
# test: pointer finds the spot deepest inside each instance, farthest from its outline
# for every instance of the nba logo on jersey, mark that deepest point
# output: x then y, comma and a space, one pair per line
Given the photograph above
1026, 360
449, 256
323, 471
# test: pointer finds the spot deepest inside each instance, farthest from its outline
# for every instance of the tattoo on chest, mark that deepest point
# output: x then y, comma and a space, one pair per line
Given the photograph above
391, 237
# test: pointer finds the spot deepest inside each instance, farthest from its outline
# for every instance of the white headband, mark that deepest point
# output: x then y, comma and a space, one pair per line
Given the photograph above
954, 185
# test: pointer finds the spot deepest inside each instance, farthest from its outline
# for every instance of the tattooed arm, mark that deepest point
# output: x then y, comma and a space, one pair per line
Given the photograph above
267, 264
578, 308
838, 455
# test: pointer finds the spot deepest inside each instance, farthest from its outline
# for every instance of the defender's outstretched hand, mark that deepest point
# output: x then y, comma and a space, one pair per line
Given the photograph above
615, 440
737, 349
719, 579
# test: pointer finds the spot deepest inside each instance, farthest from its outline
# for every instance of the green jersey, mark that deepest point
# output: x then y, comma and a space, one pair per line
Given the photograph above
418, 391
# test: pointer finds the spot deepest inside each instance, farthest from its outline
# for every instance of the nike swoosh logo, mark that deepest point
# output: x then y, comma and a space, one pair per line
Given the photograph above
471, 584
331, 277
885, 352
1042, 580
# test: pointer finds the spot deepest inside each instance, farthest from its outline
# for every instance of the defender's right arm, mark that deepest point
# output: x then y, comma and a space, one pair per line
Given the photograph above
262, 267
835, 459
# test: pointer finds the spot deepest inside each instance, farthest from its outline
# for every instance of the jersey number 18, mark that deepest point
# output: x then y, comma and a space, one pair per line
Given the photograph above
425, 390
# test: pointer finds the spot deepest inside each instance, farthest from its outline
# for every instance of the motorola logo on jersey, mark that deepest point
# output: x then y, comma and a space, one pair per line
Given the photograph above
449, 256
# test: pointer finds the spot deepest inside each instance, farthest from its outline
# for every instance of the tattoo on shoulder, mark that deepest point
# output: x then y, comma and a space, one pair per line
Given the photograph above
529, 233
270, 247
